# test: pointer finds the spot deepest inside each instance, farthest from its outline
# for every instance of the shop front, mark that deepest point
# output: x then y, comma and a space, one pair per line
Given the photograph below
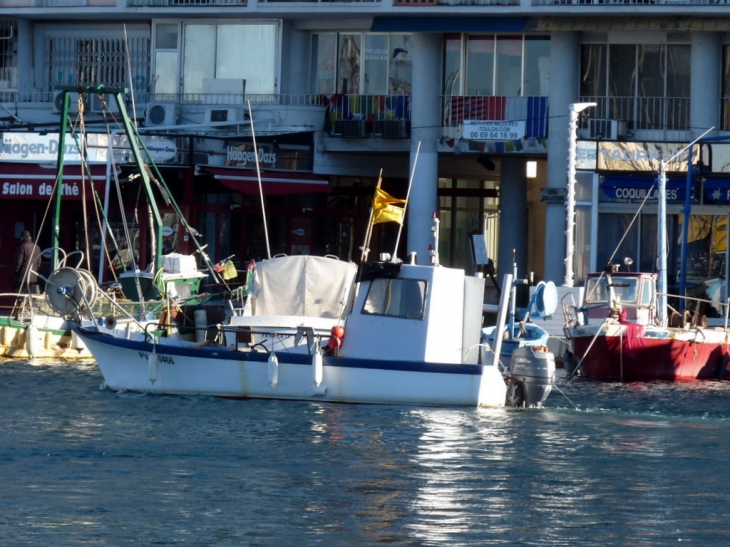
619, 184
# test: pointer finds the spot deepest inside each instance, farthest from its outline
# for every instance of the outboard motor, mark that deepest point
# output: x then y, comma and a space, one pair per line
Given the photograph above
530, 377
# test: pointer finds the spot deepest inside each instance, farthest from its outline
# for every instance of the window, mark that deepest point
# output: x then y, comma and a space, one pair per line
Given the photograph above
96, 61
361, 63
237, 51
403, 298
497, 65
648, 85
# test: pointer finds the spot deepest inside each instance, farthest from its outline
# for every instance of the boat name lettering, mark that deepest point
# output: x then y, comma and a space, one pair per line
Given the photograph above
160, 358
246, 156
23, 150
25, 189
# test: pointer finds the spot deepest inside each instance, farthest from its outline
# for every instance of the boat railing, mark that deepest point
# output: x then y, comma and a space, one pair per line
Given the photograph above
244, 336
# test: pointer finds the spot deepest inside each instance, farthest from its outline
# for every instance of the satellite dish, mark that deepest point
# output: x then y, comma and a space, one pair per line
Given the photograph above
545, 298
68, 288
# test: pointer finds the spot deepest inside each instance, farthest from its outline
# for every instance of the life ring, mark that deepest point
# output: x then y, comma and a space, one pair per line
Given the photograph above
722, 372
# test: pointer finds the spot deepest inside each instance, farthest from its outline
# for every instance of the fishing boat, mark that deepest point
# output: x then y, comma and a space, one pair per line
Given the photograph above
406, 334
37, 324
622, 330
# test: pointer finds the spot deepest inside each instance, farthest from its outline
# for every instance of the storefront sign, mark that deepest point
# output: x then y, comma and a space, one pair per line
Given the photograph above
287, 157
35, 189
632, 156
493, 130
628, 189
38, 148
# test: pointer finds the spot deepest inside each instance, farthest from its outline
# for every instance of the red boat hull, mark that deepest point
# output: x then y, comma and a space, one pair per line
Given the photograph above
658, 359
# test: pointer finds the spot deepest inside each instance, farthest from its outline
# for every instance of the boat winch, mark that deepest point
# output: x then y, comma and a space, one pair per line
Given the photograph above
530, 376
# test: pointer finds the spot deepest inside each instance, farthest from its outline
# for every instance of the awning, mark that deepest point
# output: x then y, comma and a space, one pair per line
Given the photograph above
448, 24
274, 183
36, 181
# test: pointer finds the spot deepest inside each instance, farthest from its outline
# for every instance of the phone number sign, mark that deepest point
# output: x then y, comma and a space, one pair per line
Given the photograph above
488, 130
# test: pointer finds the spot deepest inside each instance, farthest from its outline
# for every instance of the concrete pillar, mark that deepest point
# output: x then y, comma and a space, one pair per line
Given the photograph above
295, 61
704, 105
513, 216
24, 32
425, 129
564, 85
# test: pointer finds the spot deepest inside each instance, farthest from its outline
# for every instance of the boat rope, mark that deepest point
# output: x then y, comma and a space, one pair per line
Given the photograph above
595, 337
567, 398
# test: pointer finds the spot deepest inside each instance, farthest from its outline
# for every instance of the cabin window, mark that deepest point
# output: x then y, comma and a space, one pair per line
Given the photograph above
404, 298
625, 289
647, 294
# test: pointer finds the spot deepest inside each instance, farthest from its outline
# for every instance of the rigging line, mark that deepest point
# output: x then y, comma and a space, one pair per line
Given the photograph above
258, 172
595, 337
130, 247
129, 74
81, 144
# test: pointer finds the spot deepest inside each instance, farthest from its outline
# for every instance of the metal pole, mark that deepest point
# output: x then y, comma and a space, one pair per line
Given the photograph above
575, 108
662, 244
261, 187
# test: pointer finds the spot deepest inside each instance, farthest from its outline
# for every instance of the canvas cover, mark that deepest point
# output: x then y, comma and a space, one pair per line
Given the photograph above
310, 286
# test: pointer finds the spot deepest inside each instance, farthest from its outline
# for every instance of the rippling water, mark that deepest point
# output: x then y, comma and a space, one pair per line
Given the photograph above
634, 464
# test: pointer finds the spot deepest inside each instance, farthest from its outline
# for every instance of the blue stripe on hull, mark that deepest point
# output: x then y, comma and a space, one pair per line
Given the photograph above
221, 353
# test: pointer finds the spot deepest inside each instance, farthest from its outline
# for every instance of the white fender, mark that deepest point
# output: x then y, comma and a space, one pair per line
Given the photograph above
273, 369
31, 340
201, 325
153, 365
317, 368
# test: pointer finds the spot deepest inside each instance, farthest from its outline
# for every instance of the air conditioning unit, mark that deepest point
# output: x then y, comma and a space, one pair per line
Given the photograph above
160, 114
98, 105
73, 102
213, 115
349, 128
606, 129
396, 129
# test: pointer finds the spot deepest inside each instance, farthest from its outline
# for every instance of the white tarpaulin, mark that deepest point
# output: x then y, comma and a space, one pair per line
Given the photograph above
310, 286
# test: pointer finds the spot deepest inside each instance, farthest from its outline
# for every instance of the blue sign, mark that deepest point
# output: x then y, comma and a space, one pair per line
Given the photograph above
622, 189
717, 191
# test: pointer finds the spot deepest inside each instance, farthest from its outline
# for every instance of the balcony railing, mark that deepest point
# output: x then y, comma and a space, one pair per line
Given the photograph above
323, 1
420, 3
657, 3
186, 3
364, 115
532, 111
644, 113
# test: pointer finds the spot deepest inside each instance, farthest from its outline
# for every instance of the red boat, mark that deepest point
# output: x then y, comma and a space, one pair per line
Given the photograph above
620, 338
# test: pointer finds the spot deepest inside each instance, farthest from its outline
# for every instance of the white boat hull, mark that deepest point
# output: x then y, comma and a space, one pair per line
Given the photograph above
222, 372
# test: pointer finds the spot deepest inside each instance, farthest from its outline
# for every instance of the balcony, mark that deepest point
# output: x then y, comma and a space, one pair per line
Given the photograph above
421, 3
647, 118
386, 116
186, 3
657, 3
527, 116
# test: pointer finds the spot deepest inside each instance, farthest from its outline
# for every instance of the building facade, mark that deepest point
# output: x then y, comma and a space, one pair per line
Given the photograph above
469, 99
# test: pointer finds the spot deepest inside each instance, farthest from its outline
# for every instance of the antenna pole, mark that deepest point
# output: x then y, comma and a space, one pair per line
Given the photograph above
258, 173
405, 205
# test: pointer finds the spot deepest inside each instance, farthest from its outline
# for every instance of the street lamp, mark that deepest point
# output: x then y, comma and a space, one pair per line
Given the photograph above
575, 108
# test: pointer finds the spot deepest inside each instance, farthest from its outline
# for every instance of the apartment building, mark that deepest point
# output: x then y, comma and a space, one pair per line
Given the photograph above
469, 98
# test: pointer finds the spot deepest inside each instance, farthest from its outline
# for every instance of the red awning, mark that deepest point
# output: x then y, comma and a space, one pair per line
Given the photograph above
34, 181
274, 183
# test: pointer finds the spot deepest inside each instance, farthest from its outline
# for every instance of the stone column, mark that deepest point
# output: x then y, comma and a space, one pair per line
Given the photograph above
513, 216
564, 86
425, 129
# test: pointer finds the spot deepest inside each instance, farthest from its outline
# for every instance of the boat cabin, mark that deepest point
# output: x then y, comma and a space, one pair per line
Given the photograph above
409, 312
632, 293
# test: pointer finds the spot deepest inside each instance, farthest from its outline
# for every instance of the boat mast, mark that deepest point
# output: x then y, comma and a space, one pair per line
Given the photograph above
662, 244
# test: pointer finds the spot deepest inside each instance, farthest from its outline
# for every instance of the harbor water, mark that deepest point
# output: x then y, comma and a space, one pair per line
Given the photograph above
611, 464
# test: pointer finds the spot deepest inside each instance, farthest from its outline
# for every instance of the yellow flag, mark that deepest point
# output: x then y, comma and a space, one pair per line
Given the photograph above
385, 208
229, 270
